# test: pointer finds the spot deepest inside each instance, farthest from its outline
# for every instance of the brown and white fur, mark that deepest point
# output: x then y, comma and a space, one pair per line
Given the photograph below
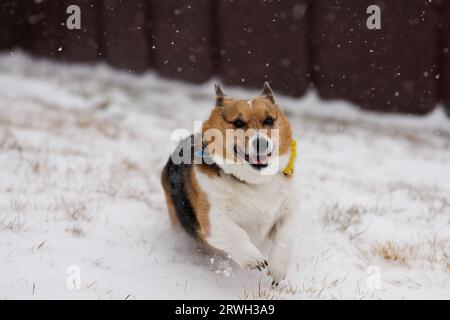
242, 209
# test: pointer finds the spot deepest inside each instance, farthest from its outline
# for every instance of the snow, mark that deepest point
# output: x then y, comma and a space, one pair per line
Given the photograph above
81, 150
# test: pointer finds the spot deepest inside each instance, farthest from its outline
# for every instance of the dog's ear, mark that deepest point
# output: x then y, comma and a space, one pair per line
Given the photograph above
219, 95
267, 92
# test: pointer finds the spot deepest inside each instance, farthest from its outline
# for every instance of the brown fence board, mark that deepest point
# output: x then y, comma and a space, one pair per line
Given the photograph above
125, 42
12, 23
83, 45
392, 69
6, 19
445, 55
264, 41
182, 39
43, 27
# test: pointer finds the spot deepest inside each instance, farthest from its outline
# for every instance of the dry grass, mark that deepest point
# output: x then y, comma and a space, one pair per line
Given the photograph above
76, 231
76, 209
266, 292
53, 120
432, 252
343, 218
438, 202
36, 160
314, 288
393, 252
13, 215
15, 224
8, 140
107, 128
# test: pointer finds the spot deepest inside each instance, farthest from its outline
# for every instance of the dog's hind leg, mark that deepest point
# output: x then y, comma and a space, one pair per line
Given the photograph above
169, 201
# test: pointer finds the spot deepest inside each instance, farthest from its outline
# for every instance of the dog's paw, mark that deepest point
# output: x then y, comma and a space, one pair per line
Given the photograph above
252, 259
277, 272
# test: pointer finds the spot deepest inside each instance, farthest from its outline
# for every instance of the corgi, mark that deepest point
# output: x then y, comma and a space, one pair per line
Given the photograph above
231, 185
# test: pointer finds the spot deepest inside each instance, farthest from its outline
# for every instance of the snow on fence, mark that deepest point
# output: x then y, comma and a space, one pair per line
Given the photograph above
402, 67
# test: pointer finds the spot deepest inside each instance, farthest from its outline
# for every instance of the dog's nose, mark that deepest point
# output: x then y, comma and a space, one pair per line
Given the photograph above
261, 145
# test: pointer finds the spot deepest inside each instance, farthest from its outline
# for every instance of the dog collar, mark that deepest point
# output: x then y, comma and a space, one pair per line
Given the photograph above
289, 169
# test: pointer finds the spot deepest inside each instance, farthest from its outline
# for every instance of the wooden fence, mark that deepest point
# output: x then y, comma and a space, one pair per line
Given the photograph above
403, 67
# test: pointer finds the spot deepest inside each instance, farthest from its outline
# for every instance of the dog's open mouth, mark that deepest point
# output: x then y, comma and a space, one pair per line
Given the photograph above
255, 161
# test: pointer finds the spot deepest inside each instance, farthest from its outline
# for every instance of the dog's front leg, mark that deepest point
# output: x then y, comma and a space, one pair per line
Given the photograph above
229, 237
283, 235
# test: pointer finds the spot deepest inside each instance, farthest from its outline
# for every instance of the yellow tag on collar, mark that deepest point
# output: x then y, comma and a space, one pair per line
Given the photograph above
289, 169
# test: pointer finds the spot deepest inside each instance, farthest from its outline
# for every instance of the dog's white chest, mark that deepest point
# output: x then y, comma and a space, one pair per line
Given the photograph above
254, 208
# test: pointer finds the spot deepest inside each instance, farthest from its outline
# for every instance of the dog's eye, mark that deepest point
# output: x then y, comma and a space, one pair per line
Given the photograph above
238, 123
268, 121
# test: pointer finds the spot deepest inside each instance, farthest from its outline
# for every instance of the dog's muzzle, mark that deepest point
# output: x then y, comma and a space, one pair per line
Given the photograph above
260, 149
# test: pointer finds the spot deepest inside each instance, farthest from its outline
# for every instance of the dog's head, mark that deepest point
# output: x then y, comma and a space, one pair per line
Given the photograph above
250, 139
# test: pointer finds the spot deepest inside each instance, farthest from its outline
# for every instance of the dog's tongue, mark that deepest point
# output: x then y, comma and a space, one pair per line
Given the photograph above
258, 159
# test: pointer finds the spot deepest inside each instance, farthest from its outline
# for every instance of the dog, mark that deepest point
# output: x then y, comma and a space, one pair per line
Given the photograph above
235, 192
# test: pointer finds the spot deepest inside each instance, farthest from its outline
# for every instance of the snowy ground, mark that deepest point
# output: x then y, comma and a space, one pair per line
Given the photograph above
81, 149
